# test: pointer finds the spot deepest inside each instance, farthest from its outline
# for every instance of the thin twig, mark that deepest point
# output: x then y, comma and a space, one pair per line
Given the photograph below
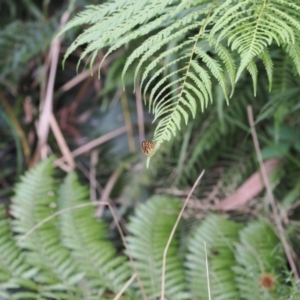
38, 225
94, 143
46, 106
265, 178
207, 272
107, 189
77, 79
126, 285
89, 175
172, 235
44, 120
85, 74
128, 253
62, 144
92, 174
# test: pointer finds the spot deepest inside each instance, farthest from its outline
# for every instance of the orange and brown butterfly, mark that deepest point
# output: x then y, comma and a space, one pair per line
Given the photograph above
148, 147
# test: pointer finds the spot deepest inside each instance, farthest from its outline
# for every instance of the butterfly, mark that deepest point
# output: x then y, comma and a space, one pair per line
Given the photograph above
148, 147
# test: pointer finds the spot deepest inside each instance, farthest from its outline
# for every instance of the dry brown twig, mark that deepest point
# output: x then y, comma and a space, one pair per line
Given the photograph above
107, 190
63, 146
87, 73
287, 247
92, 144
92, 174
46, 104
44, 121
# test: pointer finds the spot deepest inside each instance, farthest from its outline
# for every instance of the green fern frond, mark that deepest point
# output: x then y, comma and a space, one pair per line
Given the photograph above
86, 238
188, 93
121, 20
35, 200
150, 229
207, 137
175, 31
293, 50
209, 133
261, 263
252, 68
250, 27
194, 83
219, 235
185, 43
157, 41
285, 92
93, 14
227, 60
268, 64
14, 270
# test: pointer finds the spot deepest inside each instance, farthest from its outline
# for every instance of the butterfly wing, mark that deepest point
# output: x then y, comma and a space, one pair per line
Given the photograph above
148, 147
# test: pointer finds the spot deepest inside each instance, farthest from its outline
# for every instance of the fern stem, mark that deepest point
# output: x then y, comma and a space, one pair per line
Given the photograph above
207, 272
201, 30
163, 273
126, 285
187, 71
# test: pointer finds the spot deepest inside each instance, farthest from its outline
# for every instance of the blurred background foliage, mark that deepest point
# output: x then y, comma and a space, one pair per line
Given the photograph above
85, 108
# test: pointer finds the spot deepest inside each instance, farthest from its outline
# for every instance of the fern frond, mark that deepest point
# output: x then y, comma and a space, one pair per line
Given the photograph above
250, 27
152, 226
260, 259
293, 50
227, 60
155, 42
185, 43
93, 14
252, 68
194, 84
35, 200
121, 20
177, 30
285, 90
86, 238
14, 270
219, 235
268, 64
172, 110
